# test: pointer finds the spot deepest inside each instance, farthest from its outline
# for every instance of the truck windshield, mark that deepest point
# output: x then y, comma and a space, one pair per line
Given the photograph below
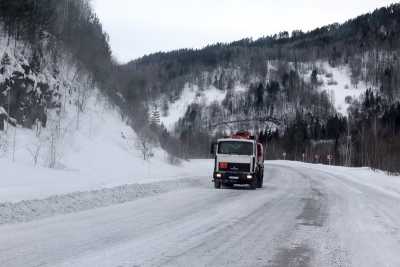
235, 148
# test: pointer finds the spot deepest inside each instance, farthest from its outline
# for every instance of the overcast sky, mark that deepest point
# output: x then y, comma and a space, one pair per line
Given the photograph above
139, 27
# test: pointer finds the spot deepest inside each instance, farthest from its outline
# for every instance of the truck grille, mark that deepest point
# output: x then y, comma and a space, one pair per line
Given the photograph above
239, 167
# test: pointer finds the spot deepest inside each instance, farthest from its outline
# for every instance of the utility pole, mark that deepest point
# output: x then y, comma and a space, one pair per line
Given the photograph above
375, 142
316, 158
14, 143
348, 145
329, 157
8, 106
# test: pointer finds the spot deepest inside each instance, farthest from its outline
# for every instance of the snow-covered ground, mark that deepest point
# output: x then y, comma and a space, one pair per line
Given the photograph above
191, 94
98, 164
376, 180
101, 204
100, 154
86, 142
23, 182
306, 215
337, 83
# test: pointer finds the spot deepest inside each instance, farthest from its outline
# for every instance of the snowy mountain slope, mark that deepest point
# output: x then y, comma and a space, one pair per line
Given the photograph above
336, 81
68, 136
191, 94
303, 82
101, 153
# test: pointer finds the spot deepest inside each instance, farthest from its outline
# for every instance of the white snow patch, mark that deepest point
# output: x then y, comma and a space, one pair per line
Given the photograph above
378, 180
101, 154
240, 88
339, 86
191, 94
94, 147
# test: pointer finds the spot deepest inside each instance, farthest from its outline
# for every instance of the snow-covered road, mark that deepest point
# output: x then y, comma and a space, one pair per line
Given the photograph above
304, 216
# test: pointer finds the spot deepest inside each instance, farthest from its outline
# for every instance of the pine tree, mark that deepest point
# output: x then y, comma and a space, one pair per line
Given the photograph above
5, 61
155, 116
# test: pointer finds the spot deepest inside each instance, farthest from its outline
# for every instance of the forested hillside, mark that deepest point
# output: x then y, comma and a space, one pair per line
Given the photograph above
331, 91
56, 102
334, 90
48, 31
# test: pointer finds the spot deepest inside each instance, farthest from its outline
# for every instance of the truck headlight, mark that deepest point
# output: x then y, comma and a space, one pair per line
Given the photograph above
249, 176
218, 175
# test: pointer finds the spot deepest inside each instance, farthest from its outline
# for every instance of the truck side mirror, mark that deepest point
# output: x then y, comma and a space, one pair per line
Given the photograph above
212, 149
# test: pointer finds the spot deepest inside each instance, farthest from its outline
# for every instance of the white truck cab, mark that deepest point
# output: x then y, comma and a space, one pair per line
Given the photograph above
238, 160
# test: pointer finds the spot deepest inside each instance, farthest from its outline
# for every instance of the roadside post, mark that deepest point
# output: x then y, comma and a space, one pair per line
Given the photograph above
329, 157
316, 158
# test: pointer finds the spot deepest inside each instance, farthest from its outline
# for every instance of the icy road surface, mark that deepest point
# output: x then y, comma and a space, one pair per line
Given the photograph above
305, 216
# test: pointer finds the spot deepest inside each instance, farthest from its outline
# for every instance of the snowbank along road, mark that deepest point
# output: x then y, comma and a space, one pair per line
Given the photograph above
306, 215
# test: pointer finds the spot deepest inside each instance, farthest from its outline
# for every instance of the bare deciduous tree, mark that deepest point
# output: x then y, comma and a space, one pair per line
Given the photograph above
35, 148
81, 100
145, 143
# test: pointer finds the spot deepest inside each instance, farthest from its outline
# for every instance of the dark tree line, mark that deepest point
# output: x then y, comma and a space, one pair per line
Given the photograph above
374, 34
370, 136
368, 44
72, 24
375, 131
287, 99
51, 27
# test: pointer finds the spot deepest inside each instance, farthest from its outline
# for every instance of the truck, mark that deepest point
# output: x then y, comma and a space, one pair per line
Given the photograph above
238, 160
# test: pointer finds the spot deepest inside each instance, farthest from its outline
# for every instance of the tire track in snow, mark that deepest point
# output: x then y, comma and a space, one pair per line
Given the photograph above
311, 243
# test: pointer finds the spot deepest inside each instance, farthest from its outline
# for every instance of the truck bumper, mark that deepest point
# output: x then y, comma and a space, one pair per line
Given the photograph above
234, 178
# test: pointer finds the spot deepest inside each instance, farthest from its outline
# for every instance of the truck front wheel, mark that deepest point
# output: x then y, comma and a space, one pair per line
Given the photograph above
217, 184
260, 182
260, 179
254, 184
